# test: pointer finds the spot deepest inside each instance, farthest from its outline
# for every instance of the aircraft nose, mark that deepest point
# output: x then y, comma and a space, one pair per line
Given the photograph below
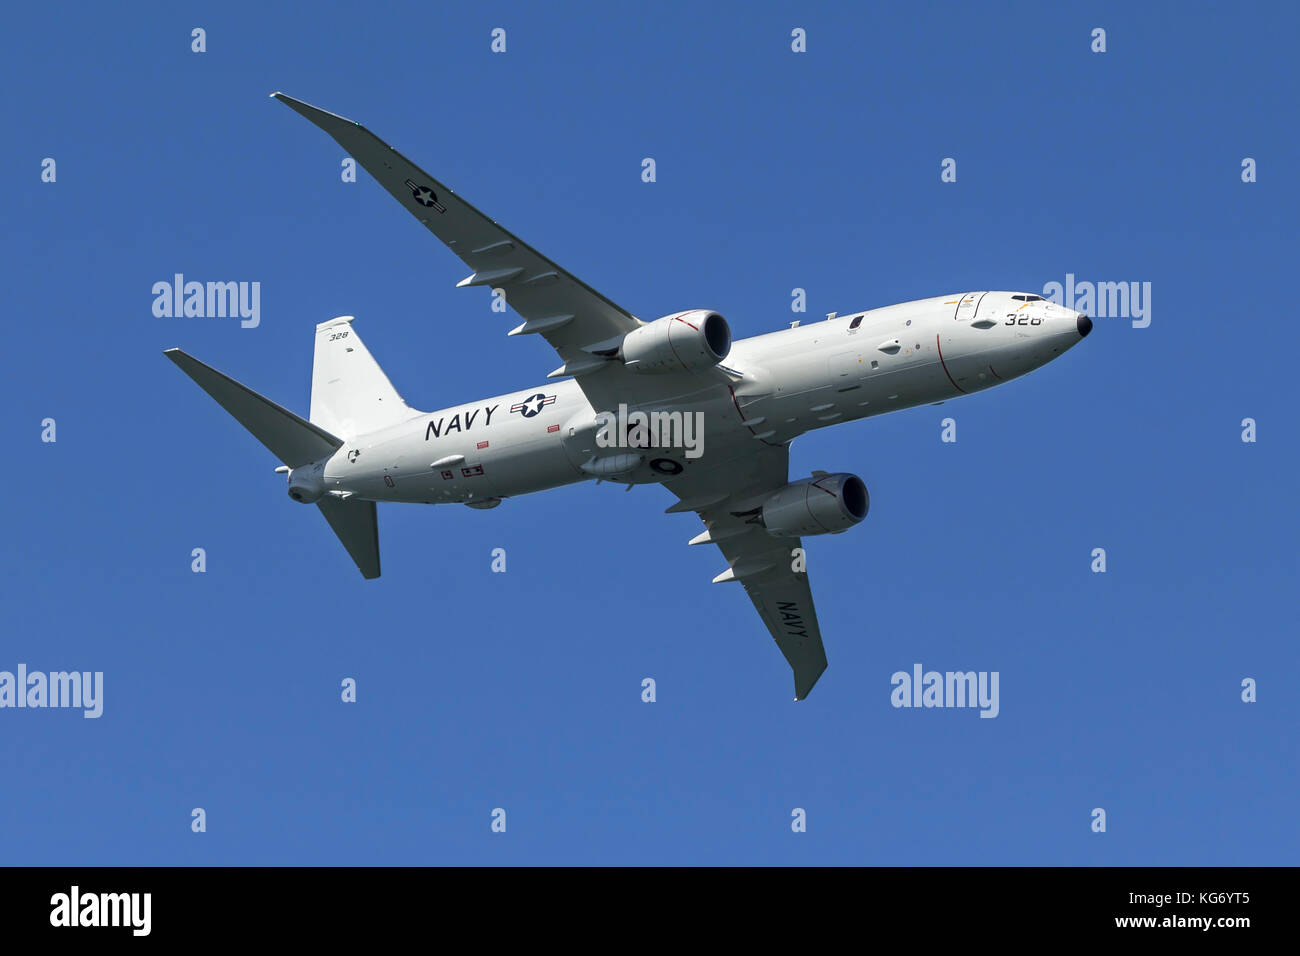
1085, 326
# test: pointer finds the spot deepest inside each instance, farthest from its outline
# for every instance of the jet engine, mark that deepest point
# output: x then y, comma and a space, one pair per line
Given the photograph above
822, 504
687, 341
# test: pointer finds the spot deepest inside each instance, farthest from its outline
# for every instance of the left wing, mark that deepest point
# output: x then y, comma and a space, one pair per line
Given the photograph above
726, 494
575, 318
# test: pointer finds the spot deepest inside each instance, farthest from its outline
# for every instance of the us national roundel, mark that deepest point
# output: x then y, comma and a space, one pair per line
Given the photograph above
533, 404
425, 196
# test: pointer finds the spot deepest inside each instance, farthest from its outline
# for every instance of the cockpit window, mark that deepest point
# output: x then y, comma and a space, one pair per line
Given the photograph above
1028, 298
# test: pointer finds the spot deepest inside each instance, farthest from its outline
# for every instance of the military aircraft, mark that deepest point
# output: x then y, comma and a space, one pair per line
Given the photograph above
672, 401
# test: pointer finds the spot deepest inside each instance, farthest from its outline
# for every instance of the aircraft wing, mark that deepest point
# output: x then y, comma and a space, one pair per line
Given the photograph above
566, 311
725, 494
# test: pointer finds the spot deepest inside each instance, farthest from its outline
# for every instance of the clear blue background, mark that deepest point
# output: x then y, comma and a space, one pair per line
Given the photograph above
522, 690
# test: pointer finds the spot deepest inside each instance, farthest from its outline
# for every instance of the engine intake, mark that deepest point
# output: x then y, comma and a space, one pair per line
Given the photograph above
823, 504
687, 341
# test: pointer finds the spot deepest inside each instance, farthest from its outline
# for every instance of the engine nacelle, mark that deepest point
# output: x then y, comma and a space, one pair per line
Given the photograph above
305, 484
824, 504
686, 341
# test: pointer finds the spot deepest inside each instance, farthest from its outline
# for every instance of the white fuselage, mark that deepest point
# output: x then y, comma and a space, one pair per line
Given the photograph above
776, 387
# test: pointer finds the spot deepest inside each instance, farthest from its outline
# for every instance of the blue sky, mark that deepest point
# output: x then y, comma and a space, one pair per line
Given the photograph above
521, 690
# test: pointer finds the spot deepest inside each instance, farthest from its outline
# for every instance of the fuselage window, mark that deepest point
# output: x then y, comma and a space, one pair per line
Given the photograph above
857, 320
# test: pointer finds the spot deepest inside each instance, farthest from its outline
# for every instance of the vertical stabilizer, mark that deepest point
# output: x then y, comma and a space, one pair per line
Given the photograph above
350, 394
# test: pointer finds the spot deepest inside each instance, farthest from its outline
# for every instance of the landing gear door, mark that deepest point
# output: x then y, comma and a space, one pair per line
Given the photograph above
968, 306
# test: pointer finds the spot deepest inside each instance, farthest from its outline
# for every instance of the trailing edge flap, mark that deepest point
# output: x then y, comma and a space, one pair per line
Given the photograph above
357, 526
294, 441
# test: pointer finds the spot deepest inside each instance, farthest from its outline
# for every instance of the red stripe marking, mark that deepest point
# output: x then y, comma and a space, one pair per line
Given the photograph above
824, 490
735, 401
817, 485
945, 365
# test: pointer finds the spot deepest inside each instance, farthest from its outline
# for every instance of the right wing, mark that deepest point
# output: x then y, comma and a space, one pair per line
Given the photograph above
569, 314
726, 494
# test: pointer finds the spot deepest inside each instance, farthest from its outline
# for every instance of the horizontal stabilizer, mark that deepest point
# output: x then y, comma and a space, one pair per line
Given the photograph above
357, 526
293, 440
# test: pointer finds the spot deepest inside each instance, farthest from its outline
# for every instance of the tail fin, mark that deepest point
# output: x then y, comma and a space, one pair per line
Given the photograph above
292, 440
350, 394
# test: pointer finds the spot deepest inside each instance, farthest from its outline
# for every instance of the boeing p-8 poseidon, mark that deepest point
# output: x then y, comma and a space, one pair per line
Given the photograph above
672, 401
